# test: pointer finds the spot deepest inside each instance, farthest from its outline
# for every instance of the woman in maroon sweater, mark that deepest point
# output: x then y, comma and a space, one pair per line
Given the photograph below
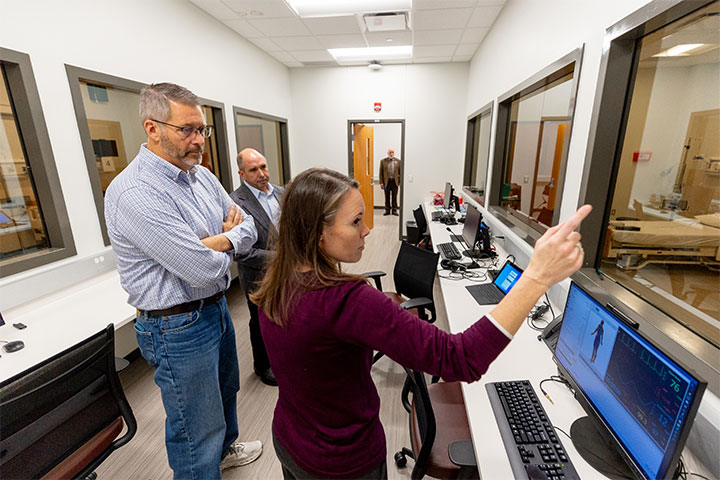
320, 327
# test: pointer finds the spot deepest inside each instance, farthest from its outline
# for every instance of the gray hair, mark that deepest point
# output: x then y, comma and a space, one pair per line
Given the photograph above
155, 100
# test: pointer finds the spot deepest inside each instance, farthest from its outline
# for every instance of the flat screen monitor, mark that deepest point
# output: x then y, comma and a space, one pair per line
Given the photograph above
639, 398
5, 218
473, 218
447, 200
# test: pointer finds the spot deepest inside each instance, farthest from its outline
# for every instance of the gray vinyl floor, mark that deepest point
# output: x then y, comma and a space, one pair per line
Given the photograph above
145, 457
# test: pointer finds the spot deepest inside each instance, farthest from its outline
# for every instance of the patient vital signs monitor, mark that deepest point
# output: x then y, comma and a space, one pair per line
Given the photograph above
642, 402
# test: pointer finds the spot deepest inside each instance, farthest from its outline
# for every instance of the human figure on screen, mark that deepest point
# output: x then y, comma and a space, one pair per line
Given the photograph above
598, 332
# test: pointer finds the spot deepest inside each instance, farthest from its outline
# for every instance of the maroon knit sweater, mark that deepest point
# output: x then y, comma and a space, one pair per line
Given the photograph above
327, 414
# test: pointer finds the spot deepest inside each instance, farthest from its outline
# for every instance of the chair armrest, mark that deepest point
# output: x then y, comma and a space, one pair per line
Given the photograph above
462, 453
419, 302
376, 278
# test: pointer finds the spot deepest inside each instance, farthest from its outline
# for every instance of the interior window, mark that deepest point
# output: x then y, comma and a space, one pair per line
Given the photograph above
663, 237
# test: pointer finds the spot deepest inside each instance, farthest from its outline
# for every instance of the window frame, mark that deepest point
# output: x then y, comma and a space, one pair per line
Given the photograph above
471, 161
526, 228
283, 132
39, 156
76, 75
611, 109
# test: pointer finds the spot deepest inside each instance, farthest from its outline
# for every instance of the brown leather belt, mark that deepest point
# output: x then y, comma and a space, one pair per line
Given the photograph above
187, 307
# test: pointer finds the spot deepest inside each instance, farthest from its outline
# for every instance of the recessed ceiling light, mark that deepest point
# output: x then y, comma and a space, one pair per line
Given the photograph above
388, 39
336, 8
372, 53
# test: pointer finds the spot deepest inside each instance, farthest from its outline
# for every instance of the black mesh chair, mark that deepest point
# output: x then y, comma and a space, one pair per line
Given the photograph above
63, 417
414, 275
439, 431
424, 240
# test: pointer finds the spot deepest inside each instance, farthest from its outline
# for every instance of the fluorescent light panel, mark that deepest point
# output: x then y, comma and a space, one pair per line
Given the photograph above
337, 8
679, 50
372, 53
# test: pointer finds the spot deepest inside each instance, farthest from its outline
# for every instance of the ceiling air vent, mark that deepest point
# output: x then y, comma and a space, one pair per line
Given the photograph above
386, 22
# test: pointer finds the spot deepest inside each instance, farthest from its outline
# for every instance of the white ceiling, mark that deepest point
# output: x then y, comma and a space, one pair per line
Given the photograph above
440, 30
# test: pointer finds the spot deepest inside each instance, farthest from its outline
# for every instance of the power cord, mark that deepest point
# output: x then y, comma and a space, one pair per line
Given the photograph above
682, 473
558, 379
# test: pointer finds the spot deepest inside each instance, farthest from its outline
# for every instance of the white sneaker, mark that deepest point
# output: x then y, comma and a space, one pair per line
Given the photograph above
241, 453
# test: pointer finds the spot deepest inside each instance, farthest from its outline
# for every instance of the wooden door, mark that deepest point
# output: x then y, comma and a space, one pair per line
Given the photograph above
363, 166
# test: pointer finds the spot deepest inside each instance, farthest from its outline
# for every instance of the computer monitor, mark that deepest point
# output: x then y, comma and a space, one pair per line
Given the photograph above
473, 218
5, 220
640, 401
447, 200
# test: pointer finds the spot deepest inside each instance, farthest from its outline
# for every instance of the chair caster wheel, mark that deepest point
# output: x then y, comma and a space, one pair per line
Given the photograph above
400, 459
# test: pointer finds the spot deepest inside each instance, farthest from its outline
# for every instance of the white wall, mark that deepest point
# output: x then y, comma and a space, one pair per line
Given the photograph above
161, 40
430, 97
530, 35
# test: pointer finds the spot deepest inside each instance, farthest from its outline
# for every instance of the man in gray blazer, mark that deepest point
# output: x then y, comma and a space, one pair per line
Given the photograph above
261, 199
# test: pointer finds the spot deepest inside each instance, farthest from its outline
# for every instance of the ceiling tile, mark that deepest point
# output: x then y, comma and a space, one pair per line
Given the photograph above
266, 44
434, 51
468, 49
438, 37
280, 26
260, 8
332, 25
379, 39
462, 58
313, 56
435, 4
474, 35
341, 41
484, 16
283, 56
243, 28
432, 60
292, 44
216, 8
440, 19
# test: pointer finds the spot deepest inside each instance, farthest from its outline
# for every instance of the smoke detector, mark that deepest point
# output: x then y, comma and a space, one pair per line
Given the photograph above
375, 66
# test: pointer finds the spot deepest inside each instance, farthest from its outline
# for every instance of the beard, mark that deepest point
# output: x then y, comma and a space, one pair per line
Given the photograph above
181, 155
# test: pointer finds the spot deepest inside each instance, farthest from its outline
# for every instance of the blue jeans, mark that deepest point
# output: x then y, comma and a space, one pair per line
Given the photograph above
196, 368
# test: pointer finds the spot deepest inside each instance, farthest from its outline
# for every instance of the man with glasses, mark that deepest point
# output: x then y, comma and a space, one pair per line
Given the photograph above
261, 199
175, 232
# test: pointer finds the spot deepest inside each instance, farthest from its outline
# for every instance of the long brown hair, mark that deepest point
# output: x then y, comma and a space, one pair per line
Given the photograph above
310, 203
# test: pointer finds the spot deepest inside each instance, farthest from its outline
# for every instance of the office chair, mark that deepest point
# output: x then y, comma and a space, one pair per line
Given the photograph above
62, 418
439, 431
423, 240
414, 275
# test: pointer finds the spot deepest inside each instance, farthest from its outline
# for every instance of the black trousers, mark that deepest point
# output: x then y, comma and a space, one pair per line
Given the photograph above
391, 190
261, 362
291, 471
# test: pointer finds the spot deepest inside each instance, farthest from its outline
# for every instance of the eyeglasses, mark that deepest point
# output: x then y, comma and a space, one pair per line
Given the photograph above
204, 131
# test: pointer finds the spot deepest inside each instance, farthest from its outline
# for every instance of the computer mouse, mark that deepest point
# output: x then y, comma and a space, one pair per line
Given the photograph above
534, 472
14, 346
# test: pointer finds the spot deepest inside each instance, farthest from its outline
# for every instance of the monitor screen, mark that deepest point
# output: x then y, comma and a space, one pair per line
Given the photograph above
643, 397
508, 276
447, 200
4, 218
472, 223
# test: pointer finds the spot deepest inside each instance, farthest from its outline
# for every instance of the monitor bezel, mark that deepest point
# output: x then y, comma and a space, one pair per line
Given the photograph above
601, 424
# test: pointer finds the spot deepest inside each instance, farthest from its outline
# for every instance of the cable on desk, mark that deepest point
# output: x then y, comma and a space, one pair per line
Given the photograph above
617, 473
547, 299
558, 379
681, 471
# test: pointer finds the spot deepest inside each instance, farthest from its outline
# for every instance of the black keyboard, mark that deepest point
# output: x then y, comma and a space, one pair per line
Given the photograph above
449, 251
529, 437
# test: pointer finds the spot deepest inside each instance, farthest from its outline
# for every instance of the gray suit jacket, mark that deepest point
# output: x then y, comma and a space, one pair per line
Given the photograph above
252, 265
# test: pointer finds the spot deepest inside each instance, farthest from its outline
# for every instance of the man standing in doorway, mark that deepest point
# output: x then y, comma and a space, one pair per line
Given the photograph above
261, 199
390, 181
175, 232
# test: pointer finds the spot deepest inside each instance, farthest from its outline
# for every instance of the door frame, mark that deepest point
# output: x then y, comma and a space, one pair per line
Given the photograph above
376, 121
